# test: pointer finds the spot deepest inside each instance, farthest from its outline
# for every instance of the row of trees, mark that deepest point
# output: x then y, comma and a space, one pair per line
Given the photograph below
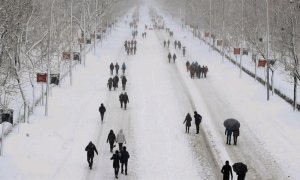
29, 46
244, 23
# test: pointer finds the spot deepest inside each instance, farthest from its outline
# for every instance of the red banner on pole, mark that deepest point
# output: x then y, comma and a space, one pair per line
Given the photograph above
219, 42
261, 63
41, 77
236, 51
66, 56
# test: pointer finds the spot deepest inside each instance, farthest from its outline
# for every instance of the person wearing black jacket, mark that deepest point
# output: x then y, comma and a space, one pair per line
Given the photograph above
116, 162
187, 121
198, 119
227, 171
124, 81
125, 100
90, 148
121, 99
111, 139
124, 159
102, 110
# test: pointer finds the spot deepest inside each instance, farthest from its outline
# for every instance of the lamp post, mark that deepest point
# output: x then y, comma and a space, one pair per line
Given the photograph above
71, 48
48, 62
223, 29
267, 55
209, 24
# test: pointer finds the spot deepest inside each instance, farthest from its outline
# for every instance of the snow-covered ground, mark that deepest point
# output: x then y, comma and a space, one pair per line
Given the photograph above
160, 95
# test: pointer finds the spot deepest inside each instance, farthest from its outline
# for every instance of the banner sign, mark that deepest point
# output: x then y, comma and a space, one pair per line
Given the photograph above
236, 51
41, 77
76, 56
81, 40
219, 42
6, 116
261, 63
88, 41
54, 79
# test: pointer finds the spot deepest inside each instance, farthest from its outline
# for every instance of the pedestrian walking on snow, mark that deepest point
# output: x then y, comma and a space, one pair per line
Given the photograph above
183, 51
168, 42
121, 99
124, 160
228, 132
187, 121
117, 68
187, 64
111, 68
175, 44
169, 57
102, 110
198, 119
123, 68
227, 171
90, 149
110, 83
111, 139
174, 57
235, 134
125, 100
116, 162
124, 81
121, 139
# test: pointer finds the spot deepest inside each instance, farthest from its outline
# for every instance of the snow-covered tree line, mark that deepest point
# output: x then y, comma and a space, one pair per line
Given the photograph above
245, 26
24, 40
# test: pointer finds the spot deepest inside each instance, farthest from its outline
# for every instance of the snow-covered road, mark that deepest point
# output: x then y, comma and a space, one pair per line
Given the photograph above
160, 95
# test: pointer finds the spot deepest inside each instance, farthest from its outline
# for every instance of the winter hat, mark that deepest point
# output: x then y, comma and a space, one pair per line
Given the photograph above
195, 112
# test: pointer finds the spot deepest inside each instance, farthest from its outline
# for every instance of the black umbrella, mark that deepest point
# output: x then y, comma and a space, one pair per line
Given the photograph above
240, 168
232, 124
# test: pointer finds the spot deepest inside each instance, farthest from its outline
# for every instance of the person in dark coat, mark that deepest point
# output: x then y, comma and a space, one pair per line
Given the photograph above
110, 83
111, 68
102, 110
116, 162
227, 171
116, 78
205, 70
123, 68
134, 50
235, 133
228, 132
198, 119
126, 100
124, 81
187, 64
187, 121
168, 42
183, 51
179, 44
124, 160
111, 139
90, 149
175, 44
169, 57
174, 57
117, 68
121, 99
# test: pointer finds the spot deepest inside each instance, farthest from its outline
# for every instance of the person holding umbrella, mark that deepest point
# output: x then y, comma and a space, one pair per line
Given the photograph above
240, 169
227, 171
230, 125
228, 132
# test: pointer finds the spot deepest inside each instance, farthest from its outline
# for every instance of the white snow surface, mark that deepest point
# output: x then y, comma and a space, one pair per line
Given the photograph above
160, 95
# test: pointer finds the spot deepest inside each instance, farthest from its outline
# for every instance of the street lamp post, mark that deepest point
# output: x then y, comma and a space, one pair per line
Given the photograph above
48, 62
267, 55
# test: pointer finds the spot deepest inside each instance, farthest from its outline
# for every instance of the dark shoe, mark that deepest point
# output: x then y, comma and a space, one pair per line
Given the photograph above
122, 172
125, 173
